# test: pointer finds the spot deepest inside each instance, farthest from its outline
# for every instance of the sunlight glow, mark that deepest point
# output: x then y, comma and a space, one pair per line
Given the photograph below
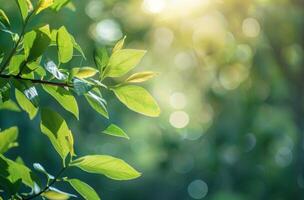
179, 119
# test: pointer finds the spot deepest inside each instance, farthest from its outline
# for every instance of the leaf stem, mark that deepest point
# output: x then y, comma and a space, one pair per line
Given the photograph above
47, 186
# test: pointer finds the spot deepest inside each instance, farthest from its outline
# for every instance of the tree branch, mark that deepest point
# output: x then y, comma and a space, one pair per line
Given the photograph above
36, 81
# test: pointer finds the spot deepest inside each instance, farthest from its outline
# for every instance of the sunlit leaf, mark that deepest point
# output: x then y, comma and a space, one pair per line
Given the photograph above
122, 61
64, 98
65, 45
86, 72
58, 4
86, 191
96, 101
114, 130
55, 127
140, 77
55, 194
26, 104
4, 19
119, 45
77, 46
109, 166
8, 139
44, 4
137, 99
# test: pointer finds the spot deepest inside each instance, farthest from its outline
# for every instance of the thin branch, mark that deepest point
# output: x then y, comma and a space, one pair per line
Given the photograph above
46, 187
36, 81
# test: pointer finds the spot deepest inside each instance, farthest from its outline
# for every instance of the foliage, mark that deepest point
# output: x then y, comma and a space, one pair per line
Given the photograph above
27, 71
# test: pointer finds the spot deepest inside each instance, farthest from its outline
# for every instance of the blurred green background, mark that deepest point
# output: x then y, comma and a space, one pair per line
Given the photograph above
231, 89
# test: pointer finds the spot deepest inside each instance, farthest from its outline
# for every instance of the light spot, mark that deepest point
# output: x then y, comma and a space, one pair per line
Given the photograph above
283, 156
108, 31
163, 38
153, 6
178, 100
251, 27
197, 189
94, 9
179, 119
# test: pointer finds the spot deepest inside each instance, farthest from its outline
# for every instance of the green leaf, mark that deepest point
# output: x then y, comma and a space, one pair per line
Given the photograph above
36, 42
101, 58
96, 101
81, 86
9, 105
122, 61
44, 4
51, 67
85, 72
65, 45
55, 127
119, 45
137, 99
4, 19
64, 98
55, 194
5, 91
140, 77
14, 171
23, 7
40, 168
77, 46
109, 166
58, 4
26, 104
86, 191
15, 64
8, 139
115, 131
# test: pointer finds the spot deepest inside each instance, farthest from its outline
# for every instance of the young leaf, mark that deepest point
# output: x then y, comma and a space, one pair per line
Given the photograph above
44, 4
65, 45
51, 67
4, 19
64, 98
55, 194
26, 104
86, 191
122, 61
119, 45
77, 46
54, 126
14, 171
96, 101
101, 58
137, 99
115, 131
140, 77
109, 166
23, 7
8, 138
86, 72
36, 42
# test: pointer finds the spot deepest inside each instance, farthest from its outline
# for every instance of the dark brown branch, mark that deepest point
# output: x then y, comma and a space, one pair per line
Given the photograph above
36, 81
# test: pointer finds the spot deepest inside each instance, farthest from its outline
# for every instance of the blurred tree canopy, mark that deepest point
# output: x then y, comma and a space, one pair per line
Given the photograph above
230, 87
